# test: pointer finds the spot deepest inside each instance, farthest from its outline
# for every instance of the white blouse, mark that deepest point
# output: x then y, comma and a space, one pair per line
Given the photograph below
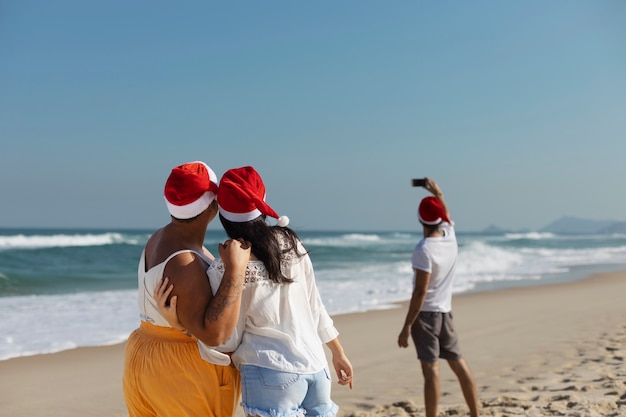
281, 326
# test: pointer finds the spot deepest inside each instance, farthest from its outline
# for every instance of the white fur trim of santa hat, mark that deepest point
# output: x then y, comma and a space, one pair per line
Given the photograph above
190, 189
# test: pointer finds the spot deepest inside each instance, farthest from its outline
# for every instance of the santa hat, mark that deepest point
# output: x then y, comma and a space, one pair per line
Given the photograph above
241, 197
431, 211
190, 189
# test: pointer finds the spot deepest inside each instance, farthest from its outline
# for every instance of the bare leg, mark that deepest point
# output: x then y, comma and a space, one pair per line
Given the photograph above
430, 370
468, 386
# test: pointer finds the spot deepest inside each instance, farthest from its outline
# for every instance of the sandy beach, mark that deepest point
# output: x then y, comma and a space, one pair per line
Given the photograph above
557, 350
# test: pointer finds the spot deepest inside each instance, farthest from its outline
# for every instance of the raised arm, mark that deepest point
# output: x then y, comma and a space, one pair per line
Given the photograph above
434, 188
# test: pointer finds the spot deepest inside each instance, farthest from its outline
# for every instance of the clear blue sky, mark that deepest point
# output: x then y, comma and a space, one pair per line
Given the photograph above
516, 108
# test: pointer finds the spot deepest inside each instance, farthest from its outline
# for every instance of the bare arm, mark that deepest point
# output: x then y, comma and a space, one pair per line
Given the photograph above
434, 188
211, 319
422, 278
342, 365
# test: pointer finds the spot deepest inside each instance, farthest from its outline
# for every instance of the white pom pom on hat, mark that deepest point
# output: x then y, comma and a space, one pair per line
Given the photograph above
241, 197
190, 189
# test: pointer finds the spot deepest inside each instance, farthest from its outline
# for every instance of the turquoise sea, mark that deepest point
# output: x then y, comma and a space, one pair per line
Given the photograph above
61, 289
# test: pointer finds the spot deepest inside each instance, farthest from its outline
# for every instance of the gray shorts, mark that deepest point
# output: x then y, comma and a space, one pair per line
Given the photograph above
434, 337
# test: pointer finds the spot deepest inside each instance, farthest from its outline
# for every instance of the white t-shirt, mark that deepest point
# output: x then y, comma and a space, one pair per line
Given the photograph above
281, 326
437, 256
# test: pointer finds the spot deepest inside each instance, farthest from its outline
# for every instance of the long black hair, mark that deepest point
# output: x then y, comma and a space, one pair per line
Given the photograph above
265, 244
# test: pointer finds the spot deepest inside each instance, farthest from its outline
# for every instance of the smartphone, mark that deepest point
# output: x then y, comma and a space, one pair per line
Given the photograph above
418, 182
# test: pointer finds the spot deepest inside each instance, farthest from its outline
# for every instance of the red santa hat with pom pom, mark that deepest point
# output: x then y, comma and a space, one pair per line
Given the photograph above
190, 189
431, 211
241, 197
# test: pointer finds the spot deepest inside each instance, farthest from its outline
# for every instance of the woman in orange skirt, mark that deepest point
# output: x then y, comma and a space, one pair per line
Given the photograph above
164, 372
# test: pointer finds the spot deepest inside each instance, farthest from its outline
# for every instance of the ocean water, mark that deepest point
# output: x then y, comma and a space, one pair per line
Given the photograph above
61, 289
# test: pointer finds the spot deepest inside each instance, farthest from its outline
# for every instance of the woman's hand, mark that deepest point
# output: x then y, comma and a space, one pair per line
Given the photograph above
168, 310
235, 254
343, 368
342, 365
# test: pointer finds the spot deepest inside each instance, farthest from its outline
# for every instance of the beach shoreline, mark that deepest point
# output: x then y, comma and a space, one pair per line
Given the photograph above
541, 350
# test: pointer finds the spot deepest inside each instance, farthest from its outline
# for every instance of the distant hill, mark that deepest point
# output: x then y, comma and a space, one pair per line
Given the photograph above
569, 225
575, 225
618, 227
495, 230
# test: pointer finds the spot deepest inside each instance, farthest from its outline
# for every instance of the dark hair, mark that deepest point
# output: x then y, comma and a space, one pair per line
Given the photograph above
430, 225
265, 244
430, 228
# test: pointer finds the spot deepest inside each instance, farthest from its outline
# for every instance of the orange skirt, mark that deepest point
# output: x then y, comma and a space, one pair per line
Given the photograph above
164, 376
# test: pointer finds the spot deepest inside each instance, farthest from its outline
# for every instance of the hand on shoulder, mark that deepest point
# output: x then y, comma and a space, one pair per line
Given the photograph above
235, 253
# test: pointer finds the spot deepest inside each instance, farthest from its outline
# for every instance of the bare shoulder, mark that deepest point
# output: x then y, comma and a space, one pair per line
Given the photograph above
185, 258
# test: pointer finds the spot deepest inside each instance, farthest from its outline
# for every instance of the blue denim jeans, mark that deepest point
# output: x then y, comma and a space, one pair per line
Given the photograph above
269, 393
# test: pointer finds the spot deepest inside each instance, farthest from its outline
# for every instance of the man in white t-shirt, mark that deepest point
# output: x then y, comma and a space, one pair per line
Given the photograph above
429, 319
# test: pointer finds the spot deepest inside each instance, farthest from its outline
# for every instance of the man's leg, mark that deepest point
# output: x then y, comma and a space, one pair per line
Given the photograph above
430, 370
462, 372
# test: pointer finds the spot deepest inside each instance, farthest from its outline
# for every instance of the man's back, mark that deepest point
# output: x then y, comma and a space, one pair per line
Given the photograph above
437, 256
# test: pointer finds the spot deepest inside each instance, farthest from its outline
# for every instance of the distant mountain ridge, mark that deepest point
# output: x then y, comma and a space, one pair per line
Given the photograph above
578, 225
572, 225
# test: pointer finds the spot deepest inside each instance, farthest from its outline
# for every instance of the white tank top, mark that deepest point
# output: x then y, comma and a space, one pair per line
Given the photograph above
147, 282
149, 311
